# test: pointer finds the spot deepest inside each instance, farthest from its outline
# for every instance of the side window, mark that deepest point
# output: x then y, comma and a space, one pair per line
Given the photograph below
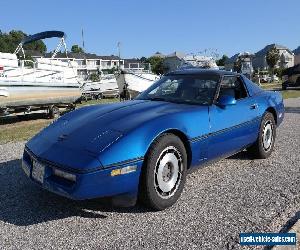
240, 90
233, 86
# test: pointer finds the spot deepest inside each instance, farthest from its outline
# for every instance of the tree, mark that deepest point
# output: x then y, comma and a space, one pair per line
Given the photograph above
222, 60
76, 49
272, 58
10, 41
109, 71
94, 77
279, 72
143, 59
156, 64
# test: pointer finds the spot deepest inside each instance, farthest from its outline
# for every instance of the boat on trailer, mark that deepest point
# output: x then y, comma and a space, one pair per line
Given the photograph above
134, 80
39, 84
106, 87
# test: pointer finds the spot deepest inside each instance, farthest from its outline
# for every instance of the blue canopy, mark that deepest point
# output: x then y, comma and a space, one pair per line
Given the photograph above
43, 35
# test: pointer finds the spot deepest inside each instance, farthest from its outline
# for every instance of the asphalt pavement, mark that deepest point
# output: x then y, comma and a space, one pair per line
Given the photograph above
219, 201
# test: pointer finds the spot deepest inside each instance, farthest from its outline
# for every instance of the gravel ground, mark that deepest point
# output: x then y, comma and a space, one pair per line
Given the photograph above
220, 201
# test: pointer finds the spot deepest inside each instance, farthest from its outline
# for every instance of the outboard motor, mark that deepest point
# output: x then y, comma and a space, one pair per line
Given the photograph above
125, 95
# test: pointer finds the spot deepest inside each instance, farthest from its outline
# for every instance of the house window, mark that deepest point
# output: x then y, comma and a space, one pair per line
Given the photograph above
92, 63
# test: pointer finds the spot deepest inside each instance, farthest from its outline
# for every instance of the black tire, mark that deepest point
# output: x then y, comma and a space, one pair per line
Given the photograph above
98, 97
54, 112
166, 147
263, 148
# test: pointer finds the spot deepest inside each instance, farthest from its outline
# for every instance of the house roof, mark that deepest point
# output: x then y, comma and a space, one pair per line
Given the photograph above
245, 54
176, 54
297, 51
131, 60
158, 54
82, 56
265, 50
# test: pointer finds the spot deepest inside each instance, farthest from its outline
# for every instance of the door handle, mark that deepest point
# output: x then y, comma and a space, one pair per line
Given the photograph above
254, 106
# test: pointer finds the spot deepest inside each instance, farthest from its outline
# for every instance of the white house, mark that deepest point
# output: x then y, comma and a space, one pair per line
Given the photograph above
286, 59
173, 61
90, 63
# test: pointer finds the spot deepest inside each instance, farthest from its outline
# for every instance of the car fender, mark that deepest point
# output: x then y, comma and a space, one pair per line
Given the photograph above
273, 102
134, 144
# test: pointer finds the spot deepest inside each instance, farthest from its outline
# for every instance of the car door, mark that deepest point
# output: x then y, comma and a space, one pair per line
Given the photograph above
232, 127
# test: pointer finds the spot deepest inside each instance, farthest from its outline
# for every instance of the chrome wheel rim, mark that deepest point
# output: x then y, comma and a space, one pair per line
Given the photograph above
168, 172
267, 137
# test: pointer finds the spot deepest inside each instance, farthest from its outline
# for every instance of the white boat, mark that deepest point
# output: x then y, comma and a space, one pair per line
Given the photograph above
132, 81
106, 87
43, 82
91, 86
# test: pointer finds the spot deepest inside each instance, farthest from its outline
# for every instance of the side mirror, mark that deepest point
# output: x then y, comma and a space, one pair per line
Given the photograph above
226, 100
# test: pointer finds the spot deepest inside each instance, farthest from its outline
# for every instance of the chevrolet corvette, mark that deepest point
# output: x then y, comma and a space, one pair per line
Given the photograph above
141, 150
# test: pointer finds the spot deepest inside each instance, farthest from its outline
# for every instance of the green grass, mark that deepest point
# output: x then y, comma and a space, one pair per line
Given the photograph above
290, 94
22, 129
101, 101
271, 86
285, 93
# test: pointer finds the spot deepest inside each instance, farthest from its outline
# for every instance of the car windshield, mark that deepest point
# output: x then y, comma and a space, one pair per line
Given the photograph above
188, 89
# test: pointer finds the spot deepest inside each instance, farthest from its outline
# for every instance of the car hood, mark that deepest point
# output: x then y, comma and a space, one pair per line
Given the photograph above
96, 127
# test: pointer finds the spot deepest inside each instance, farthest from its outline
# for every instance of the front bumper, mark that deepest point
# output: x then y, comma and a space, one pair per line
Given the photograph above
96, 184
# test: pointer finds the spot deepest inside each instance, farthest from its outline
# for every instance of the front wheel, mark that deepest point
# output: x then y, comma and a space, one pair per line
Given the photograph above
264, 144
164, 173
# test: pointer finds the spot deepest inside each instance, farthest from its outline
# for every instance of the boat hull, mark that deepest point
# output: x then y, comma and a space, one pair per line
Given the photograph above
136, 82
37, 94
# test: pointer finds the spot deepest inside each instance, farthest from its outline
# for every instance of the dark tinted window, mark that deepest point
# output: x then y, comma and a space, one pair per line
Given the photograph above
193, 89
233, 86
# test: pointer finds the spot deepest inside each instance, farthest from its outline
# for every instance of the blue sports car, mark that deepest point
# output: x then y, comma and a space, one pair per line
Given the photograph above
144, 148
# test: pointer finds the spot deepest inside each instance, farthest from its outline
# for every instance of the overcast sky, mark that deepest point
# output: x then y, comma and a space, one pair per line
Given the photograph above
144, 27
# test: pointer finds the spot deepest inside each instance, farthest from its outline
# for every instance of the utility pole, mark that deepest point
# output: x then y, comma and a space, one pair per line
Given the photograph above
119, 54
82, 37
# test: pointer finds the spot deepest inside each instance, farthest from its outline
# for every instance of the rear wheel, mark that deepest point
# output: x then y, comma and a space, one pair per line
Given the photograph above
54, 112
99, 96
164, 173
264, 145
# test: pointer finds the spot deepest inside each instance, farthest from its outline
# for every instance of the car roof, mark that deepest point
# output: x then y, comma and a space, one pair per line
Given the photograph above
200, 71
